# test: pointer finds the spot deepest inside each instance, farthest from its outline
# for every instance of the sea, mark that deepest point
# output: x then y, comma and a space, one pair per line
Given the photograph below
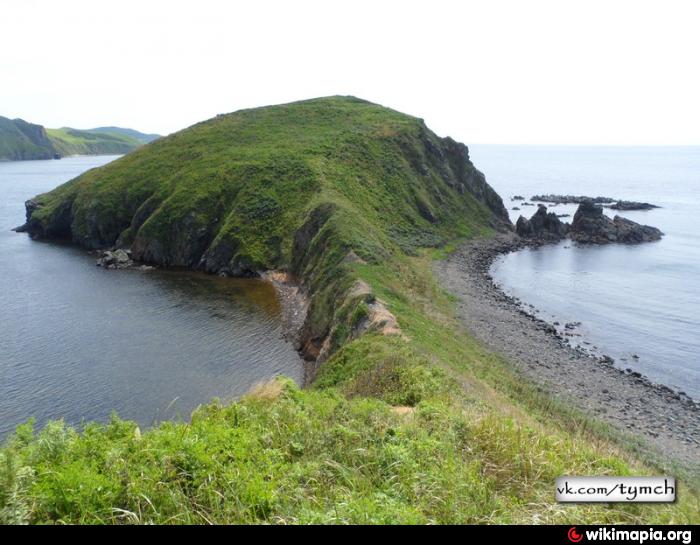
79, 343
638, 304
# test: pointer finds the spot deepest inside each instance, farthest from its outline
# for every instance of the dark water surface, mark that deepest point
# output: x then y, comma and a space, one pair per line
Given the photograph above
632, 300
78, 342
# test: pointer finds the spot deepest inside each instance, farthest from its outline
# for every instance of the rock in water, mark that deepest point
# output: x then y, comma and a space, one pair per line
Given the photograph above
631, 232
633, 205
542, 226
117, 259
591, 226
571, 199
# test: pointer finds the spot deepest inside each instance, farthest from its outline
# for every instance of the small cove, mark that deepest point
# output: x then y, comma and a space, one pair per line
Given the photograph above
78, 342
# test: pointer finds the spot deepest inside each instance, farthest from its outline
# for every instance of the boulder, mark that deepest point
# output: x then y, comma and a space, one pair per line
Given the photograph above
117, 259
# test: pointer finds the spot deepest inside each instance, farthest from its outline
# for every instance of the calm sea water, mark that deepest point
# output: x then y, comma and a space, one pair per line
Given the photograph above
632, 300
78, 342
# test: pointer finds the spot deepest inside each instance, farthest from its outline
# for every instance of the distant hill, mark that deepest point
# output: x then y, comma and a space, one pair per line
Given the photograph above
22, 141
67, 141
141, 137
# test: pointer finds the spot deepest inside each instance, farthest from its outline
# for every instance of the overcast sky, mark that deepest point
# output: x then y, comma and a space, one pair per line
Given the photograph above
513, 72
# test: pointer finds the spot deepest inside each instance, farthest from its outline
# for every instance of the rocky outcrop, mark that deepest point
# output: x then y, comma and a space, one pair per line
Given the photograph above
591, 226
571, 199
465, 178
543, 226
632, 205
120, 259
630, 232
608, 202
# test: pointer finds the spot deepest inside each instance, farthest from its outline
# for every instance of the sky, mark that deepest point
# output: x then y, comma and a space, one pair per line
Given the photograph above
612, 72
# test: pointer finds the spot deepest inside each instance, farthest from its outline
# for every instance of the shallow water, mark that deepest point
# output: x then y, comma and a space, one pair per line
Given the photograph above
632, 300
78, 342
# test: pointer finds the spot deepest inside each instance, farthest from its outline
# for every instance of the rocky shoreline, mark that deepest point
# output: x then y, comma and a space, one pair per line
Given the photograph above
667, 419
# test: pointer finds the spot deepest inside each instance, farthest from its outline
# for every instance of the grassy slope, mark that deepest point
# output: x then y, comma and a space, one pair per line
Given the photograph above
119, 131
68, 141
480, 446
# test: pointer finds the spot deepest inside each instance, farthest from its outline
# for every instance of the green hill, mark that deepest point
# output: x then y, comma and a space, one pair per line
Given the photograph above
67, 141
20, 140
408, 420
131, 133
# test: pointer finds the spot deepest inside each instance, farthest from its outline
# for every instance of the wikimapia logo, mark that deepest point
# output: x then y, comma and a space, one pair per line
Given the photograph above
629, 535
574, 536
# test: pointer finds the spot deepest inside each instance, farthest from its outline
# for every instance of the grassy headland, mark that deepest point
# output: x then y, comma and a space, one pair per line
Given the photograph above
416, 425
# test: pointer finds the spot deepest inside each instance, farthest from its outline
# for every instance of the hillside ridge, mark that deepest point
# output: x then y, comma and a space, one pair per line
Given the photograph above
296, 187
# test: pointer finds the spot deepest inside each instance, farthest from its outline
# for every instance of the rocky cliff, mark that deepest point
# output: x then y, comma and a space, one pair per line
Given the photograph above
20, 141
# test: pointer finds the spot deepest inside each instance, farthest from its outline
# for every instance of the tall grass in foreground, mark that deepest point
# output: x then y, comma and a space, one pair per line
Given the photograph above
307, 457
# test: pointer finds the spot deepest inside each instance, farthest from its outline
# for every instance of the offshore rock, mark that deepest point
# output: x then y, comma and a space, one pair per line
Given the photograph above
591, 226
542, 226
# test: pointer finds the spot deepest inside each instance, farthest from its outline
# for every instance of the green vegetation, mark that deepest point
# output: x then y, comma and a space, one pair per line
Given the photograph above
130, 133
68, 141
20, 140
421, 425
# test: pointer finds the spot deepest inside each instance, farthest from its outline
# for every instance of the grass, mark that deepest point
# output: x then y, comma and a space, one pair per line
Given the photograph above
422, 427
68, 141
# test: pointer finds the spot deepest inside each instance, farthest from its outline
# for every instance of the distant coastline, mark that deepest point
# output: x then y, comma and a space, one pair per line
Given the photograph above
23, 141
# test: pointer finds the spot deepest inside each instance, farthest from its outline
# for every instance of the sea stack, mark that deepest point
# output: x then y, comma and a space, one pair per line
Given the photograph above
543, 226
591, 226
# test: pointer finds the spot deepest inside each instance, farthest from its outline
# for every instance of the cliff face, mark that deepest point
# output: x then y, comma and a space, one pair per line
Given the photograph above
20, 141
298, 187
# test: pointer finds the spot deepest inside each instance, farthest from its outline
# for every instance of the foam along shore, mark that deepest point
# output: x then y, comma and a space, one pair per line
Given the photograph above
668, 420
